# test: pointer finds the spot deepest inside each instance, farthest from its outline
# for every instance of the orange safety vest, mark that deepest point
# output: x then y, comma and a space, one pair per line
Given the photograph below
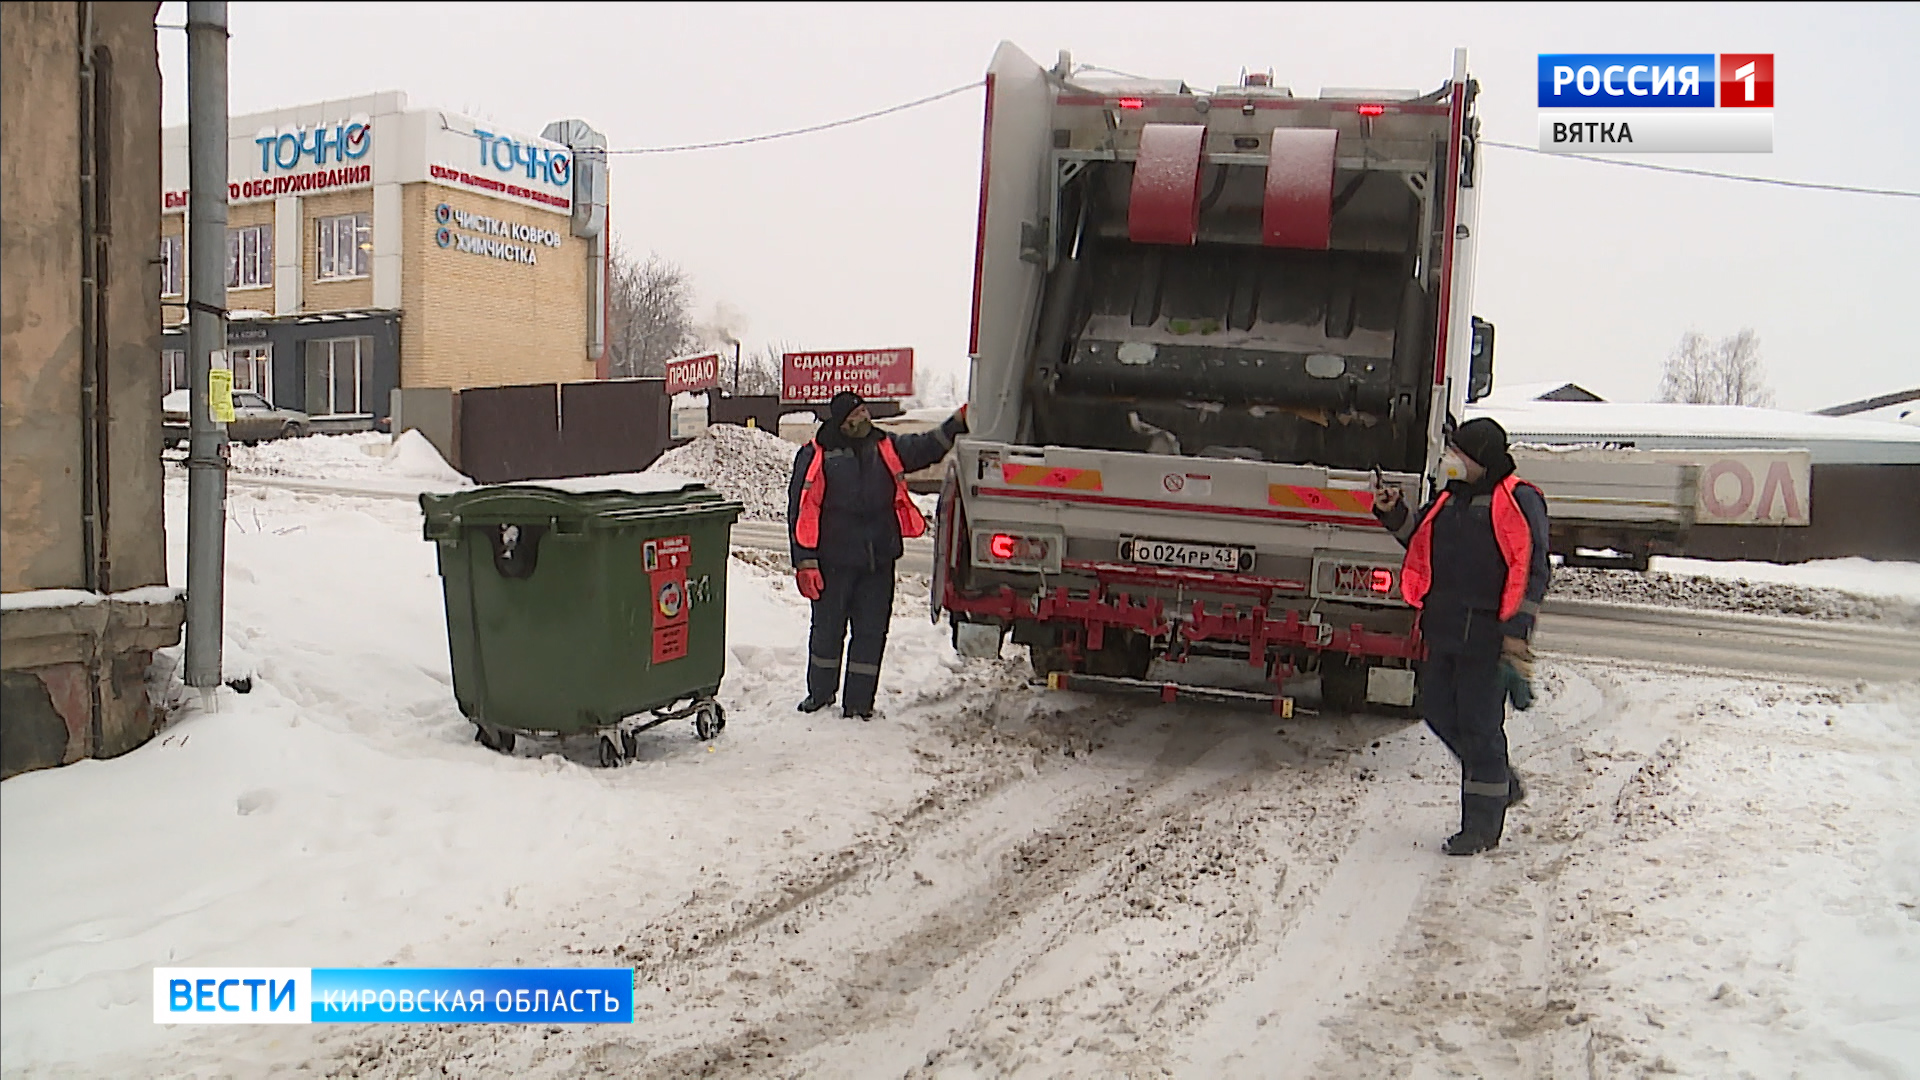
1510, 531
814, 495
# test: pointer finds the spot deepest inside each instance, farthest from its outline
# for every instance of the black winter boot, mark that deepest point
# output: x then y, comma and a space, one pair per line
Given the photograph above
811, 704
1483, 816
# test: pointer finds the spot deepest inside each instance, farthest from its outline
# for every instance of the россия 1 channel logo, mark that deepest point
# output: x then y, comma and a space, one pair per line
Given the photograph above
1685, 103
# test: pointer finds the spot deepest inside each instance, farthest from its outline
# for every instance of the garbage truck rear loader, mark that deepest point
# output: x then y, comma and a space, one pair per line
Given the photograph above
1203, 322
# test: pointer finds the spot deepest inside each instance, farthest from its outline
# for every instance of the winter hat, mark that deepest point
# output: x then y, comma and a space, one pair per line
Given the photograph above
1483, 440
842, 406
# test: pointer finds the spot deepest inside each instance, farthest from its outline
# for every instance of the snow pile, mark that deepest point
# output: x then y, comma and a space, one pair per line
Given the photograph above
1729, 593
314, 457
412, 455
745, 464
363, 456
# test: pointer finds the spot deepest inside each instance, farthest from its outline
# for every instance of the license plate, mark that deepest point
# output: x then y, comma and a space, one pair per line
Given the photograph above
1225, 558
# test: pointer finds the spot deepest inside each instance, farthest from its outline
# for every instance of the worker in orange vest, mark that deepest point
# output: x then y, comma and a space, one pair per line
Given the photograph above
1477, 569
848, 510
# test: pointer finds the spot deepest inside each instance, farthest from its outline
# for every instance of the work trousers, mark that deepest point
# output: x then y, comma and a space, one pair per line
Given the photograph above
862, 600
1465, 704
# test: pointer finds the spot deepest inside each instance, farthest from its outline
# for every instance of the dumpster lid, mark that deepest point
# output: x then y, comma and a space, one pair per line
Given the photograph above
614, 484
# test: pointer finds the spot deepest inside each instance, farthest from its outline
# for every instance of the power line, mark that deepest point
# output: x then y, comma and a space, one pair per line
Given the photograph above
928, 100
1807, 185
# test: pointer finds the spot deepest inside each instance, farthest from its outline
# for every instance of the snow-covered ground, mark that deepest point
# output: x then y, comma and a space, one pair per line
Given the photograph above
1712, 877
1863, 577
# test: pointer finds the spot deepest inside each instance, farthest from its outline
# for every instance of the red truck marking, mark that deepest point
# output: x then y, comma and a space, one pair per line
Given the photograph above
1333, 500
1046, 476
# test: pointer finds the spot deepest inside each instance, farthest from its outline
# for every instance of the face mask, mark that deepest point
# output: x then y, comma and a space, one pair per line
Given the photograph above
1453, 466
857, 429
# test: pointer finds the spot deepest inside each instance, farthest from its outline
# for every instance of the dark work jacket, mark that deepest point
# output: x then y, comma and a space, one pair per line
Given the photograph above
858, 527
1461, 613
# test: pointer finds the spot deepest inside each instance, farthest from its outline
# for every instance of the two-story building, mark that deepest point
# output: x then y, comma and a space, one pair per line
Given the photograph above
372, 246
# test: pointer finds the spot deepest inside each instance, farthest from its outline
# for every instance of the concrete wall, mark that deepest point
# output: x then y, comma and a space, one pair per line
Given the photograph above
76, 663
42, 478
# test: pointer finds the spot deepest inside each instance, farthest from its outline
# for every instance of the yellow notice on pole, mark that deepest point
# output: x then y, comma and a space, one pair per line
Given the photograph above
220, 395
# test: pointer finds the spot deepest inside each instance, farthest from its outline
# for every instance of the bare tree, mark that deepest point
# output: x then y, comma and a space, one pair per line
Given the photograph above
1724, 372
651, 312
760, 371
934, 390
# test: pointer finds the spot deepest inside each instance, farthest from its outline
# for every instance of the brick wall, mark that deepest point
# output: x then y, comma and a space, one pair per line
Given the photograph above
473, 320
171, 314
239, 217
352, 294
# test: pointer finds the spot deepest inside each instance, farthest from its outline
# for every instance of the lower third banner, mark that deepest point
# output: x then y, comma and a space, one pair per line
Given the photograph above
392, 995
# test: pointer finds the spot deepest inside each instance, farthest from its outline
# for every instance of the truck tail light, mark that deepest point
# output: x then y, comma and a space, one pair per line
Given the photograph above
1024, 550
1348, 577
1373, 110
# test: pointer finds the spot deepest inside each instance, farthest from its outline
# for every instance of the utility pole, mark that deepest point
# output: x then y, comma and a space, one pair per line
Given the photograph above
206, 335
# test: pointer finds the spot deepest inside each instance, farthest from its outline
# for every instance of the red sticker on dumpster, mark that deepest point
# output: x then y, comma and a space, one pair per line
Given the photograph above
667, 553
669, 615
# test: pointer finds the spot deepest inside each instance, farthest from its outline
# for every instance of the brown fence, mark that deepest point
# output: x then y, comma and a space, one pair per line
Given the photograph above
547, 431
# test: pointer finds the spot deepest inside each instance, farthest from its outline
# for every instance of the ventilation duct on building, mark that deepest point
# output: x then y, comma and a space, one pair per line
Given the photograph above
589, 220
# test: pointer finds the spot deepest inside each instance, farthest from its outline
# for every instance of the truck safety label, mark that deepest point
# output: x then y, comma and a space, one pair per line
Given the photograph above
1047, 476
1326, 500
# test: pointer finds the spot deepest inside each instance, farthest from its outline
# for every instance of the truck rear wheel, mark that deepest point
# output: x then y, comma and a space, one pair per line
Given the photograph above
1343, 684
1123, 654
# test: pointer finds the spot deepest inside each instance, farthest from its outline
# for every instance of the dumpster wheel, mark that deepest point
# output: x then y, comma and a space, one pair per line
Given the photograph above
709, 719
501, 741
609, 756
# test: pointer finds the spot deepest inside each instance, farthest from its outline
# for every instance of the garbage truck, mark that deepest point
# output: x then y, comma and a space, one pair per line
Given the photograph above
1206, 323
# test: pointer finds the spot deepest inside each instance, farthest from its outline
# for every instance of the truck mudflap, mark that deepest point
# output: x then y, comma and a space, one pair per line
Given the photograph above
1170, 693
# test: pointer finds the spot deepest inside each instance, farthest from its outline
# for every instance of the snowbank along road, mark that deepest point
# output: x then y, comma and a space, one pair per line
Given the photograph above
1712, 876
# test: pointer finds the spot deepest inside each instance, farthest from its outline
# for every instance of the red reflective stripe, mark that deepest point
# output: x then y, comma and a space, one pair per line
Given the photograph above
1515, 536
1510, 531
912, 523
812, 496
1416, 570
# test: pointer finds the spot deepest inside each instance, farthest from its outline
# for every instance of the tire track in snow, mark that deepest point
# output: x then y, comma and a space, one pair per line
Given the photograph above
906, 952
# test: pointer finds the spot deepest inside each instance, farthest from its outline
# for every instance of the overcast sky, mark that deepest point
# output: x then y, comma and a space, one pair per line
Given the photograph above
863, 236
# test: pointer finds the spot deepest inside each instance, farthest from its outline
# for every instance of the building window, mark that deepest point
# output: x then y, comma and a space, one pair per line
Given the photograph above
252, 369
346, 246
250, 257
174, 377
173, 265
340, 376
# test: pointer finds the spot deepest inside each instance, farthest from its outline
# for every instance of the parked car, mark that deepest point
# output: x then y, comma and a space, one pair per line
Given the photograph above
254, 419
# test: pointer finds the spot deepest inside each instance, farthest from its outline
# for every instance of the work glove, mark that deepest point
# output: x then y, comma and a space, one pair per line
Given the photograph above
810, 582
1516, 671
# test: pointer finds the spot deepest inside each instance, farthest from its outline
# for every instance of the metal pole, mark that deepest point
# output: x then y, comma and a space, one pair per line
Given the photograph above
206, 334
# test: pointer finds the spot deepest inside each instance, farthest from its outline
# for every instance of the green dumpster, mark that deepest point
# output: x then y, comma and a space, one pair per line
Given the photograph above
595, 604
